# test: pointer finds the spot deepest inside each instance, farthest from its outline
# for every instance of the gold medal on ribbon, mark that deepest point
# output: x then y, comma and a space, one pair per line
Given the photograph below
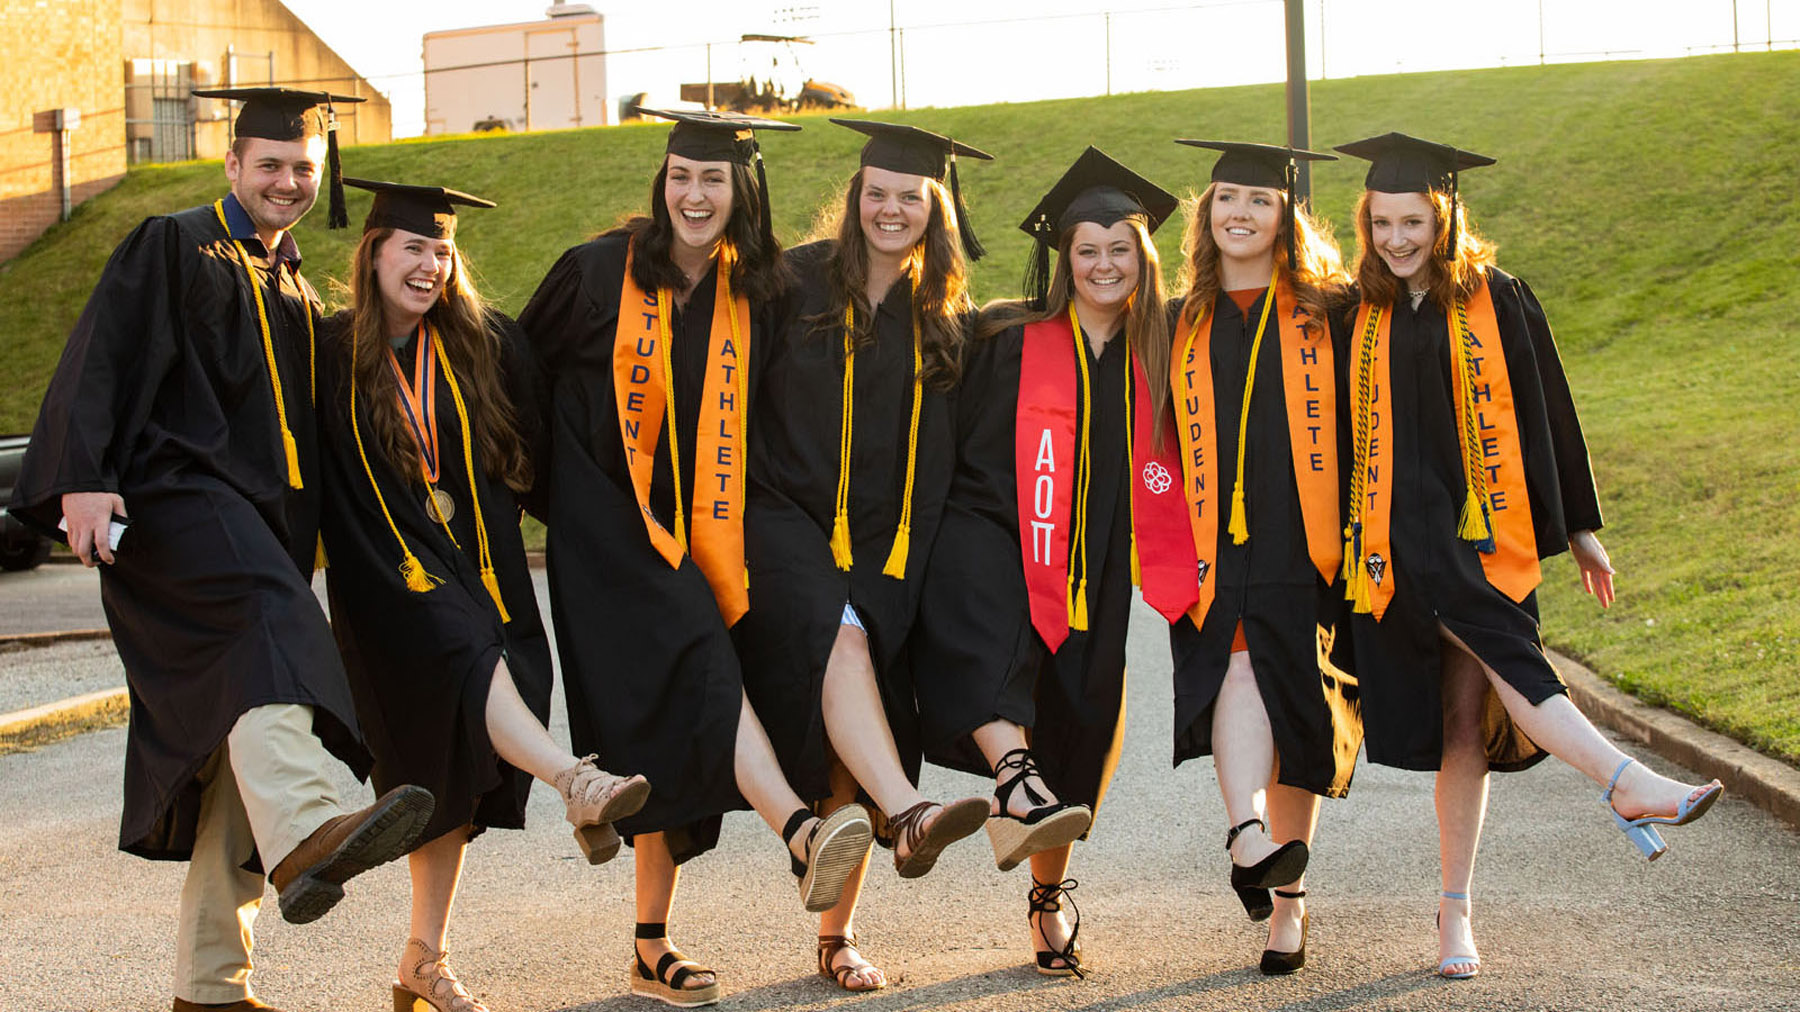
439, 504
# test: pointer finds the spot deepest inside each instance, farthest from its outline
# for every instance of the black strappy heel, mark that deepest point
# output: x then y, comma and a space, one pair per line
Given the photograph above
1280, 964
1047, 898
1252, 884
1047, 826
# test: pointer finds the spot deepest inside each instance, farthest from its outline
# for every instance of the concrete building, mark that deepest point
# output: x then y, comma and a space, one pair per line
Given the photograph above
91, 86
535, 75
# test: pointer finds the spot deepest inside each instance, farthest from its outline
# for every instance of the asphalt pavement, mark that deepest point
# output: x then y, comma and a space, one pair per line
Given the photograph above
1568, 916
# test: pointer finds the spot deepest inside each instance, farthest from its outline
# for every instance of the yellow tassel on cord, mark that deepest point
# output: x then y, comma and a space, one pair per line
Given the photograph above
1079, 620
417, 579
1349, 567
292, 450
1358, 592
492, 583
319, 559
840, 543
1473, 526
896, 561
1240, 531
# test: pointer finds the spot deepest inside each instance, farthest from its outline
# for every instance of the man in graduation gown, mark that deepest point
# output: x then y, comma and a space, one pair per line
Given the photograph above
182, 411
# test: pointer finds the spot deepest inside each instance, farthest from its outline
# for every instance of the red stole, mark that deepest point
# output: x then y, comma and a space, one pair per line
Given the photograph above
1044, 469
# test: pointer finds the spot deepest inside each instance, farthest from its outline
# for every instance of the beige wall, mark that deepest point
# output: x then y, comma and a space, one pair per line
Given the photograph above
60, 54
265, 36
74, 54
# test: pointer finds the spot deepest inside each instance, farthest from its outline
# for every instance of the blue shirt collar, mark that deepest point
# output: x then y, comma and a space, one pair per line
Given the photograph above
239, 226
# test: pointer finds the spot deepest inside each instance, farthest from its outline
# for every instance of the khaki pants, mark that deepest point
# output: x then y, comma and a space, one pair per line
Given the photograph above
264, 790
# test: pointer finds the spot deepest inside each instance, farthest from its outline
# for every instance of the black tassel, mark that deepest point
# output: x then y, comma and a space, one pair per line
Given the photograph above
972, 248
338, 216
1450, 244
768, 218
1293, 181
1037, 271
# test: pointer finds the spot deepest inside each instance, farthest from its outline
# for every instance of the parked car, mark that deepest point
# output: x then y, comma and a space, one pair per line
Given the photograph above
20, 546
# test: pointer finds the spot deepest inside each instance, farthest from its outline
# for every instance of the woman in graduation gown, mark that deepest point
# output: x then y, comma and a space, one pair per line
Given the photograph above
655, 333
850, 458
1028, 594
431, 601
1468, 467
1254, 396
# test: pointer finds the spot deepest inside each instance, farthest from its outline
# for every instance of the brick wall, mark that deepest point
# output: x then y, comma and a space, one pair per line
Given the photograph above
62, 54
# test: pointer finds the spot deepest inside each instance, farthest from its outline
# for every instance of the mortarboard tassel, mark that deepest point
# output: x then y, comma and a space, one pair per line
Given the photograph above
972, 247
337, 215
1450, 244
1293, 180
767, 224
1037, 271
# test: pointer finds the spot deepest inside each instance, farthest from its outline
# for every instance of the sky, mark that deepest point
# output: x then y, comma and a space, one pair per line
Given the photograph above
957, 52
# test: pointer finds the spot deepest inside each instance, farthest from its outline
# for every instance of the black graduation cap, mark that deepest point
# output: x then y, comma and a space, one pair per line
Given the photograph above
1269, 165
1402, 164
724, 137
1096, 188
284, 114
425, 210
899, 147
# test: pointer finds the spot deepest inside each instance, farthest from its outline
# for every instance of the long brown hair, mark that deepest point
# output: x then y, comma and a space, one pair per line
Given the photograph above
1146, 319
1318, 283
1446, 279
936, 269
472, 348
758, 272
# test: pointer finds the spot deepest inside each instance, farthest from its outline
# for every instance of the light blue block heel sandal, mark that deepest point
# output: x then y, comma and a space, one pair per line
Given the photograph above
1642, 831
1471, 961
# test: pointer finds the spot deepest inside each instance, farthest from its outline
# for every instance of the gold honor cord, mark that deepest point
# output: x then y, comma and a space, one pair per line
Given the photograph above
412, 571
840, 522
1356, 575
896, 563
288, 447
1240, 530
1078, 610
483, 556
1131, 469
1473, 524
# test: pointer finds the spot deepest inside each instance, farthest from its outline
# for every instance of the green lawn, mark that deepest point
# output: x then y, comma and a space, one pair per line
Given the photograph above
1651, 205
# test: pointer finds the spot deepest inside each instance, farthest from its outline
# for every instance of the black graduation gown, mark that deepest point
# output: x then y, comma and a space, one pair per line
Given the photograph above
650, 675
1438, 576
421, 664
1269, 583
797, 593
974, 654
163, 396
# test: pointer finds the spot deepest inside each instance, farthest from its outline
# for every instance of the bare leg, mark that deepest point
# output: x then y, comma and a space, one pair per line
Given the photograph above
857, 724
1050, 932
1293, 815
1462, 790
436, 867
841, 919
1562, 730
1243, 755
657, 874
516, 734
761, 782
995, 739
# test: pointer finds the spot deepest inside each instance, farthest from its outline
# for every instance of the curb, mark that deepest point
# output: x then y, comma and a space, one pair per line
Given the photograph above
1767, 783
29, 641
53, 720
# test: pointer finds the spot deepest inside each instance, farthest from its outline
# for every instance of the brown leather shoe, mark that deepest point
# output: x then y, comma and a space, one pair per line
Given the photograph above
183, 1005
311, 880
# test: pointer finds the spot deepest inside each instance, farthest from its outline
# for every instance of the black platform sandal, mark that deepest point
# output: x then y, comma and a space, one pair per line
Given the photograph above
1280, 964
673, 970
834, 848
1251, 884
1046, 898
1046, 827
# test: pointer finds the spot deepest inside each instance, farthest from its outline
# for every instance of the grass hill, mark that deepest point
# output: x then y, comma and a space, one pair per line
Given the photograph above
1651, 205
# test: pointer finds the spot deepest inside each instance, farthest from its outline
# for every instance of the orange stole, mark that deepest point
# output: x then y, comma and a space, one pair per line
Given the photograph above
1311, 398
642, 388
1512, 567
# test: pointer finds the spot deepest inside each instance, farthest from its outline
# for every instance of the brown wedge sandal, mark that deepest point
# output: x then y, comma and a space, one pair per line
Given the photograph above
594, 798
923, 844
832, 946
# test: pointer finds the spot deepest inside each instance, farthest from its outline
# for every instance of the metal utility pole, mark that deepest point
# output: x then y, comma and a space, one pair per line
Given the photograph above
1299, 108
893, 56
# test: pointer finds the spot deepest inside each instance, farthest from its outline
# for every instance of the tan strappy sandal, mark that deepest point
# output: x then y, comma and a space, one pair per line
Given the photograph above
594, 799
427, 983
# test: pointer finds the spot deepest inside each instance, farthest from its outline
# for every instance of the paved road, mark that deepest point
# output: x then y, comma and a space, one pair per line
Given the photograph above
1569, 916
50, 598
